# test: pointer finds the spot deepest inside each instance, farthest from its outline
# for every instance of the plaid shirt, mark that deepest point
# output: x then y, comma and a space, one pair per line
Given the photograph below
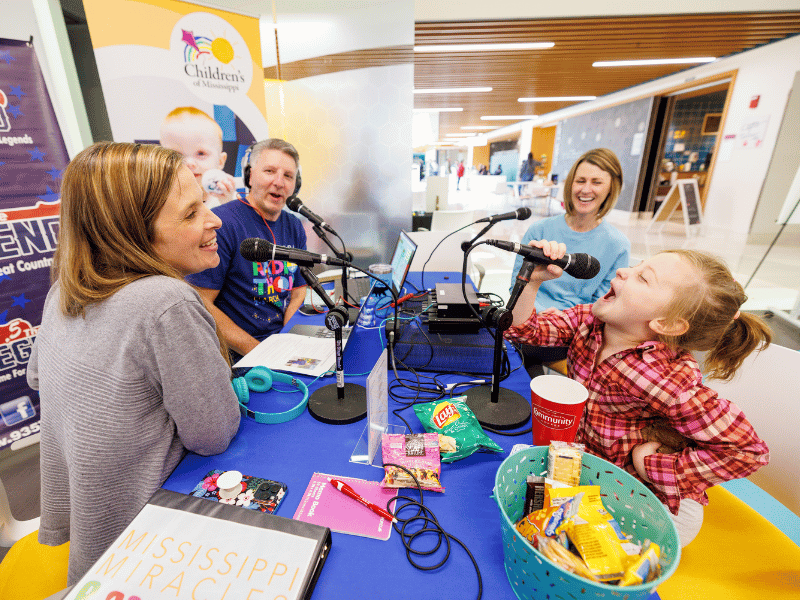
631, 389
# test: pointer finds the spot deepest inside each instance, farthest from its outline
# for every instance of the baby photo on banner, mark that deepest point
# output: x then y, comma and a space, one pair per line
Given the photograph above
184, 76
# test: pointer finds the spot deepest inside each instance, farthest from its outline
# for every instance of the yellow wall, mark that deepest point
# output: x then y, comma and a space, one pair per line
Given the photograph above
480, 155
543, 141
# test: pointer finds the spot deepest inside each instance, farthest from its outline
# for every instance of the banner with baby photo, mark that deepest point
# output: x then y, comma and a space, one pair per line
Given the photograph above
32, 159
164, 61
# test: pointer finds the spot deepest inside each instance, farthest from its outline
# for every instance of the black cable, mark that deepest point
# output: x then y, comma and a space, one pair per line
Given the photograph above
422, 276
430, 525
775, 239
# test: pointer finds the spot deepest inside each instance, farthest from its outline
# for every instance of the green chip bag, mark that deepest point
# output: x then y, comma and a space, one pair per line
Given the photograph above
452, 417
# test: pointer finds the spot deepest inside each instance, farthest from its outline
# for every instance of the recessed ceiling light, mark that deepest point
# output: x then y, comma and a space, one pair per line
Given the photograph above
479, 127
482, 47
558, 99
653, 61
422, 110
452, 90
509, 118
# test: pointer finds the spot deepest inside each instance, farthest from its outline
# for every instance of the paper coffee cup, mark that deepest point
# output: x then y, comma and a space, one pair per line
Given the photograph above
557, 404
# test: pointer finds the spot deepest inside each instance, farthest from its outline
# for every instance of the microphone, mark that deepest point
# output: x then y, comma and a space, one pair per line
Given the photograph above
520, 214
579, 265
294, 203
259, 250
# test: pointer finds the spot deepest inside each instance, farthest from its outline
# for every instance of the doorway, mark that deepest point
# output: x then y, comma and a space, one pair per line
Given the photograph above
686, 131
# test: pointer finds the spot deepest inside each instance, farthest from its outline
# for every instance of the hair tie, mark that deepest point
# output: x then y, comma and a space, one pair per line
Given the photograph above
736, 316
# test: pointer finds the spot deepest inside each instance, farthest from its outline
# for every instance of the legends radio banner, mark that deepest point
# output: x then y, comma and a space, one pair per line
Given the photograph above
32, 159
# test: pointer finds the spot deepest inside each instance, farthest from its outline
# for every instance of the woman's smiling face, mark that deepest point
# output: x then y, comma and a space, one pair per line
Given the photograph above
590, 187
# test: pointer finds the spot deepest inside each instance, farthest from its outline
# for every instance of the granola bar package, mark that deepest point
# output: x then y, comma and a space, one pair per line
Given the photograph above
452, 417
417, 452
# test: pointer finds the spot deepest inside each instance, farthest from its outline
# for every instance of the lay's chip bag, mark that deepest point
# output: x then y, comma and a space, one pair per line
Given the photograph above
452, 417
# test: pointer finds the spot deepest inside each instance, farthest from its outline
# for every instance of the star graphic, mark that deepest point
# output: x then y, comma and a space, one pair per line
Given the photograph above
50, 196
3, 276
4, 317
37, 154
6, 56
16, 91
54, 173
14, 111
20, 301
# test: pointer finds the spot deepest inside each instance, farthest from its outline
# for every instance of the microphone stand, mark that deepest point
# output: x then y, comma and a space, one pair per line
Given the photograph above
495, 407
338, 403
347, 256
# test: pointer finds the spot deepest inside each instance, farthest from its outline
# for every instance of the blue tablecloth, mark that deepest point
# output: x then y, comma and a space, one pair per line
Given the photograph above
360, 567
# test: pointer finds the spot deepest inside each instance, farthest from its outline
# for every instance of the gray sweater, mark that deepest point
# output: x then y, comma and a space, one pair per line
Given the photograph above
124, 393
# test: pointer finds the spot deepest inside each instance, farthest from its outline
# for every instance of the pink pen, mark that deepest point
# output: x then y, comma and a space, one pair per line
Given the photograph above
348, 491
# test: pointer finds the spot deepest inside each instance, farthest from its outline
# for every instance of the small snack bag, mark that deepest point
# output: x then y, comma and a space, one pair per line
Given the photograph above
417, 452
564, 462
455, 419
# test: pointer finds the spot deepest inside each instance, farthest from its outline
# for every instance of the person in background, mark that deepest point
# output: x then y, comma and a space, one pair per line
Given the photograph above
127, 360
631, 349
198, 137
498, 170
591, 189
459, 173
528, 169
251, 301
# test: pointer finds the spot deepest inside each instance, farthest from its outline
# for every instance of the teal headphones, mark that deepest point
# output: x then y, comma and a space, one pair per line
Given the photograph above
260, 379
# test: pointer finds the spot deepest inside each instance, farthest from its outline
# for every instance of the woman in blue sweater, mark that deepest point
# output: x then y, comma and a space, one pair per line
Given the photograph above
591, 189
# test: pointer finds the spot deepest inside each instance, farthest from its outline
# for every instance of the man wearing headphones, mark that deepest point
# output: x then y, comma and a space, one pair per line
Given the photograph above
250, 300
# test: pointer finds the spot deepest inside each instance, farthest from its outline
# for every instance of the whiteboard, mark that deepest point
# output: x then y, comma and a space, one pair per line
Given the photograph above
791, 200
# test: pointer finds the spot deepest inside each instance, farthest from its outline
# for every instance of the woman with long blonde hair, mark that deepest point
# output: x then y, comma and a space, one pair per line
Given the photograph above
127, 360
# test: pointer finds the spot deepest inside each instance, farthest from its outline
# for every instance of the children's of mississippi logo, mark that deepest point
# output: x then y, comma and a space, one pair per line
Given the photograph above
212, 56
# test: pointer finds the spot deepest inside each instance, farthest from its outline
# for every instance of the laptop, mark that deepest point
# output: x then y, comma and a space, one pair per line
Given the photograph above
360, 287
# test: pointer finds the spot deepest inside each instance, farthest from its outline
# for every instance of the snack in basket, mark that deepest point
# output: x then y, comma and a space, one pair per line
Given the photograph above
534, 494
643, 568
563, 557
564, 461
417, 452
600, 548
455, 419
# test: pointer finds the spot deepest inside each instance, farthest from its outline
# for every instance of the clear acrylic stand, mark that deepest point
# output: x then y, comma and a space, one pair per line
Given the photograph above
367, 448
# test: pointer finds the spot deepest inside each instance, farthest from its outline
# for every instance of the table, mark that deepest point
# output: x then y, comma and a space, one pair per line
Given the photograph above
359, 567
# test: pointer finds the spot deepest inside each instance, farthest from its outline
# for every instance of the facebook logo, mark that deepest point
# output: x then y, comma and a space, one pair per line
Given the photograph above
18, 410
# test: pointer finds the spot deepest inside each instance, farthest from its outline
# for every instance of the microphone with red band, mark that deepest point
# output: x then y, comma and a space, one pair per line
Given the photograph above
259, 250
579, 265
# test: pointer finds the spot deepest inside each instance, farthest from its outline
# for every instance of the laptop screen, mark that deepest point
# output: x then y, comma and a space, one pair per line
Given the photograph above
401, 261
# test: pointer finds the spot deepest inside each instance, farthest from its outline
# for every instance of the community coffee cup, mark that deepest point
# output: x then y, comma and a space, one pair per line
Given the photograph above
557, 404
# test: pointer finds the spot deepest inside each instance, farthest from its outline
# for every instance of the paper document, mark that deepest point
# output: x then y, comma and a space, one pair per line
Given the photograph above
301, 354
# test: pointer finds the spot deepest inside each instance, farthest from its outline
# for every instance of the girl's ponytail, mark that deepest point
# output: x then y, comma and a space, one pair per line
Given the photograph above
745, 333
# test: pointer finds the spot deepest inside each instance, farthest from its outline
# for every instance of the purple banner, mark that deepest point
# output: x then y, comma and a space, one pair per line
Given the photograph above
32, 159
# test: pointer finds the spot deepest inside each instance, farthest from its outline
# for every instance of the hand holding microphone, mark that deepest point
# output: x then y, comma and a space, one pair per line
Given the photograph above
579, 265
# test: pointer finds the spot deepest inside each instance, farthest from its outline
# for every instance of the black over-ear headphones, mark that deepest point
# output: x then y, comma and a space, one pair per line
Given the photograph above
259, 379
246, 171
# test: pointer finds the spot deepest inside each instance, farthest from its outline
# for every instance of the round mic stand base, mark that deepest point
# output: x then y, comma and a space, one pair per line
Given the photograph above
326, 406
510, 411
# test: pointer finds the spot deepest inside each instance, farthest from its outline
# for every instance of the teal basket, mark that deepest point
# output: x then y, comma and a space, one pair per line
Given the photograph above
638, 512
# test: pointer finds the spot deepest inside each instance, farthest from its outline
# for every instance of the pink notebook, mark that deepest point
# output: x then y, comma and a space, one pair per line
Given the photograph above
322, 504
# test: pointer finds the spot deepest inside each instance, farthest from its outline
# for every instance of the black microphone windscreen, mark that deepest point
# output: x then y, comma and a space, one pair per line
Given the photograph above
584, 266
255, 249
524, 213
294, 203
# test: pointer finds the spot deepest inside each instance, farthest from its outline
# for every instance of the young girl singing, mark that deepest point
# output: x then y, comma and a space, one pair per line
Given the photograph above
630, 349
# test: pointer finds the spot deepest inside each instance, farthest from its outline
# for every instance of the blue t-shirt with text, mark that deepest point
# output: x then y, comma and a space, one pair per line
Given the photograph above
253, 294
